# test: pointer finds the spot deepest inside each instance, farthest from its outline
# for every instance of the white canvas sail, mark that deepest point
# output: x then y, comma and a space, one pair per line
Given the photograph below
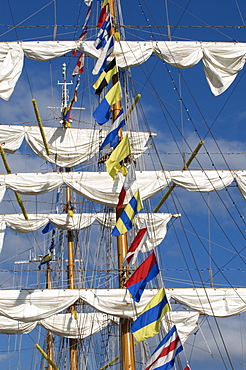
198, 234
36, 305
99, 187
221, 61
157, 223
67, 148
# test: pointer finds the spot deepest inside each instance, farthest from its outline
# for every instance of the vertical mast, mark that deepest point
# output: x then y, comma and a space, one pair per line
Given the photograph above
127, 345
49, 336
73, 343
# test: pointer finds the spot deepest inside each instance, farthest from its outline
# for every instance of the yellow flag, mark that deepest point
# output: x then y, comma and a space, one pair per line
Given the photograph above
124, 170
118, 154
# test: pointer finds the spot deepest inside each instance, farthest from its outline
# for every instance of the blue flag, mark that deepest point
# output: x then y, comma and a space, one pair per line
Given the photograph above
125, 221
112, 138
163, 357
105, 53
148, 323
147, 271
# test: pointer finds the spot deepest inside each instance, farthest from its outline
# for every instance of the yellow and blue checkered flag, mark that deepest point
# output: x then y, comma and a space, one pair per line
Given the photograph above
125, 221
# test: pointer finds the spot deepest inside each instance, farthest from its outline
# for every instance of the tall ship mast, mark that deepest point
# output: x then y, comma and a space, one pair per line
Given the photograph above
122, 186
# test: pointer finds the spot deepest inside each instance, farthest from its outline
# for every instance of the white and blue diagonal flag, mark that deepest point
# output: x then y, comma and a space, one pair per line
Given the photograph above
103, 34
105, 53
112, 138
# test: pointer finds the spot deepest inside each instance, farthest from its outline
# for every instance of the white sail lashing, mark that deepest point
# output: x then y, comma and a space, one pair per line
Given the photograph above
64, 325
87, 324
221, 60
67, 148
156, 223
34, 305
95, 186
99, 187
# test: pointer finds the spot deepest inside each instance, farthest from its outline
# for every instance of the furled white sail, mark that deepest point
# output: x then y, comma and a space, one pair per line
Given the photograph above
87, 324
185, 321
83, 326
156, 223
221, 61
64, 325
222, 302
99, 187
34, 305
68, 147
95, 186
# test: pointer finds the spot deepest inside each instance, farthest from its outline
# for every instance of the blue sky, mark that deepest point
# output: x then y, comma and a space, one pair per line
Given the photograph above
189, 20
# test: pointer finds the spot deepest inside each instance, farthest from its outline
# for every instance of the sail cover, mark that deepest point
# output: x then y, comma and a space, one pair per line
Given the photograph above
87, 324
221, 61
35, 305
68, 147
95, 186
99, 187
64, 325
156, 223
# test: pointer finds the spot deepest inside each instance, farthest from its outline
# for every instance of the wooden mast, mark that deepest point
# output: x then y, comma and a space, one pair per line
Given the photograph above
127, 344
49, 336
73, 343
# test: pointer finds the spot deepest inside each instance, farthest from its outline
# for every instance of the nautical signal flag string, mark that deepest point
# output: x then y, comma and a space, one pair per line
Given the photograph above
118, 154
103, 13
137, 244
126, 219
79, 68
129, 180
102, 112
67, 110
148, 322
105, 77
103, 34
147, 271
48, 257
112, 138
105, 53
164, 355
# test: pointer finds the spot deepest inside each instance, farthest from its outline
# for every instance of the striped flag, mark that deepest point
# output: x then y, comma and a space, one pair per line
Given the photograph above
102, 112
148, 323
68, 109
103, 34
45, 260
146, 272
79, 68
164, 356
129, 180
103, 13
105, 77
126, 219
112, 138
139, 240
85, 28
105, 53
